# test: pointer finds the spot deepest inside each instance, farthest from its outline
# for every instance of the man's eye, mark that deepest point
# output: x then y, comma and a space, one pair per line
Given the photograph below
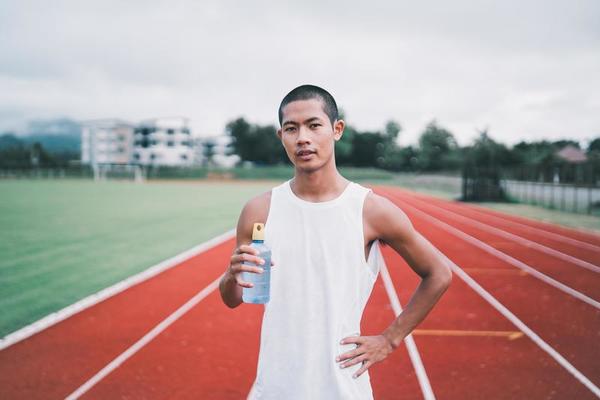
290, 129
313, 126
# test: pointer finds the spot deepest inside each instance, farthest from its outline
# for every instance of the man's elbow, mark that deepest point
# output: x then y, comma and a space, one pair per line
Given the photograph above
231, 303
227, 298
445, 276
442, 277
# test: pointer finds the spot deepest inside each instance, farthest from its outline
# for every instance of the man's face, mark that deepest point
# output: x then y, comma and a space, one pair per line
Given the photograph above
307, 134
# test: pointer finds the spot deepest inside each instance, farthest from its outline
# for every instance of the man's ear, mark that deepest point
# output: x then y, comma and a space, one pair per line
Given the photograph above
279, 133
338, 129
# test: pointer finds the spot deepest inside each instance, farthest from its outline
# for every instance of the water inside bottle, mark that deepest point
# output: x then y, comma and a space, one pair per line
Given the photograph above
260, 293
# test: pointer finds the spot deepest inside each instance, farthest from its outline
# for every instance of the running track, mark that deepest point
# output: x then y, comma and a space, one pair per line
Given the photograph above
526, 324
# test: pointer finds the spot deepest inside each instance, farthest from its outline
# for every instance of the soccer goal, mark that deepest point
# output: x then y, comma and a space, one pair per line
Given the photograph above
132, 172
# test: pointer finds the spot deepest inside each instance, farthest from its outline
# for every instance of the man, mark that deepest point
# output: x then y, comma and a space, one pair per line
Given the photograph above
322, 230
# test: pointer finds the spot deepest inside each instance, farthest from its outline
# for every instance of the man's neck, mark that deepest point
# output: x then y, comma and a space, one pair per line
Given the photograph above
322, 185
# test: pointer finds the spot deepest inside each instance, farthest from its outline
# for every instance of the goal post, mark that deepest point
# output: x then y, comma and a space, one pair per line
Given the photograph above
127, 172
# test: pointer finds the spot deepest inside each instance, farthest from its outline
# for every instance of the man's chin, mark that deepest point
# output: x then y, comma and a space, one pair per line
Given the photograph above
306, 168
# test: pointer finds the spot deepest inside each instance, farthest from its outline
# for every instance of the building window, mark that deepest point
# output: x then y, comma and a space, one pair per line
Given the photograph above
170, 131
136, 156
154, 142
186, 131
152, 156
170, 143
184, 157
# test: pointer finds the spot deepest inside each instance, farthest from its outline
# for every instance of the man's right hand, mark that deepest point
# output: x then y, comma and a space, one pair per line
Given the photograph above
232, 284
245, 253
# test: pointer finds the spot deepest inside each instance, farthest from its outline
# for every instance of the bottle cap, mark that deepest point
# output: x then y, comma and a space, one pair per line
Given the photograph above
258, 232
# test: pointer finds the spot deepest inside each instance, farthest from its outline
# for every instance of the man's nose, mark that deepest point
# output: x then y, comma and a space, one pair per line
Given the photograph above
303, 136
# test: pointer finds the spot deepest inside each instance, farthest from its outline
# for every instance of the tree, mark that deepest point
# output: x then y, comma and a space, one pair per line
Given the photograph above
400, 158
343, 147
14, 153
532, 153
593, 153
559, 144
594, 146
392, 129
481, 170
437, 147
208, 151
239, 130
367, 148
268, 147
488, 153
256, 143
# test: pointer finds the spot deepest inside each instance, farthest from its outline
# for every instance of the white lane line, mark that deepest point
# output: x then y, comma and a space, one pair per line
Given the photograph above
489, 213
515, 238
147, 338
110, 291
411, 346
505, 257
590, 234
550, 235
523, 328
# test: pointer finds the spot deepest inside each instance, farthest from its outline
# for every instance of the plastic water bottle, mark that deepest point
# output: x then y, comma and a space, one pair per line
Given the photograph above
260, 293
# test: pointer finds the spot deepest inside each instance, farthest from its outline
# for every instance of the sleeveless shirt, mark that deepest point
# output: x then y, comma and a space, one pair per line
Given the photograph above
319, 287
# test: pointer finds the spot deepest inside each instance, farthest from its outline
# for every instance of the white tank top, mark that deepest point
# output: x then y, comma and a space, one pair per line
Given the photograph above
319, 287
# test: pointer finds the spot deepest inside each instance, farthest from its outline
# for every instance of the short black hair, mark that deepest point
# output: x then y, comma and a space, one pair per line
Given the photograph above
307, 92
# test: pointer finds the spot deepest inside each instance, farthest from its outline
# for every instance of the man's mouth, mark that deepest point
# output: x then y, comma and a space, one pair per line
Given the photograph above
302, 153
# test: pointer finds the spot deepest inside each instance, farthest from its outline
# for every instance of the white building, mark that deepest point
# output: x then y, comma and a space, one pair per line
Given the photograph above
214, 151
106, 141
163, 141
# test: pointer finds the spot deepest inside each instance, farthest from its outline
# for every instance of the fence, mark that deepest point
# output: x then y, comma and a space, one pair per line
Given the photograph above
481, 184
140, 173
585, 173
566, 197
46, 173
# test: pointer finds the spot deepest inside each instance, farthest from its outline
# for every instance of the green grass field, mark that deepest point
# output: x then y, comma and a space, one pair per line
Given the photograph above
61, 240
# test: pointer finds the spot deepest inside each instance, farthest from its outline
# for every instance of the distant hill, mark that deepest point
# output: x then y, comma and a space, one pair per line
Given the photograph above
9, 141
56, 126
56, 143
57, 136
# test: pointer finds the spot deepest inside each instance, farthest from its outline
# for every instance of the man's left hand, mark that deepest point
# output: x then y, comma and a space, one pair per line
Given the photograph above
370, 350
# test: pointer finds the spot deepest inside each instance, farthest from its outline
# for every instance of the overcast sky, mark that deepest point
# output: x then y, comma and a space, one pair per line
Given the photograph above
526, 70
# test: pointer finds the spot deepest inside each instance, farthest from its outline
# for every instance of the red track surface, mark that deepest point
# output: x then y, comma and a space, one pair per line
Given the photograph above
211, 351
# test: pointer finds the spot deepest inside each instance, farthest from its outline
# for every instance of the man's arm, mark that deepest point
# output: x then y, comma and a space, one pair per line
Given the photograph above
231, 284
384, 221
393, 227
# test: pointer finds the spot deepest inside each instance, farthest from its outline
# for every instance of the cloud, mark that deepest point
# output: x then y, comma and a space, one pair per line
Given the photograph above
527, 70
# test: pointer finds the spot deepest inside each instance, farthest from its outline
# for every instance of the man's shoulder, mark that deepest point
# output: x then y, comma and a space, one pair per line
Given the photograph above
383, 217
257, 208
377, 205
